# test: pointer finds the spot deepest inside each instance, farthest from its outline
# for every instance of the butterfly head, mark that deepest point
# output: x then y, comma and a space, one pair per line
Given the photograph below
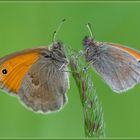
89, 46
58, 54
88, 41
57, 45
57, 50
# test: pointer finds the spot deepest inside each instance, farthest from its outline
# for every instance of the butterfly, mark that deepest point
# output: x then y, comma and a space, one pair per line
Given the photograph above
37, 77
117, 64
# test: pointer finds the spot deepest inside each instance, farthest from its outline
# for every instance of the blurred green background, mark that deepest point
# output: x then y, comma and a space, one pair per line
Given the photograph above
26, 25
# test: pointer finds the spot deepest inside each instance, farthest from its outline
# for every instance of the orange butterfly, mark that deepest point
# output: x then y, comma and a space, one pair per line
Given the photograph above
37, 76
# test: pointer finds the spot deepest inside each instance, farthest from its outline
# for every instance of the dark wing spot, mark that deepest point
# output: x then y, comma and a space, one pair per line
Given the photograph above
4, 71
34, 79
35, 82
47, 56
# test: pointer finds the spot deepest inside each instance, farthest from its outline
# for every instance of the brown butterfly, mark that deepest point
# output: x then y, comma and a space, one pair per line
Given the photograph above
37, 76
118, 65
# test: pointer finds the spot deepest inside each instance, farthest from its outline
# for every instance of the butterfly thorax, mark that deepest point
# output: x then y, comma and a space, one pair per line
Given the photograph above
91, 49
56, 55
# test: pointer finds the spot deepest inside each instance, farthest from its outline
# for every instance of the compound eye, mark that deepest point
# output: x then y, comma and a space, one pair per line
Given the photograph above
57, 45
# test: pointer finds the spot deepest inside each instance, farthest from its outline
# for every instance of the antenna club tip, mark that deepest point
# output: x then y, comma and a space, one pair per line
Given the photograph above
56, 31
88, 24
64, 20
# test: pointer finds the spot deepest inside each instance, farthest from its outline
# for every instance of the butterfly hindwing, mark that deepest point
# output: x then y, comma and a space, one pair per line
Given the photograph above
44, 87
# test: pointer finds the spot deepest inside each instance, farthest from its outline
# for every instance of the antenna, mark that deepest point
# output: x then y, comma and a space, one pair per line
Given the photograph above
57, 30
88, 25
